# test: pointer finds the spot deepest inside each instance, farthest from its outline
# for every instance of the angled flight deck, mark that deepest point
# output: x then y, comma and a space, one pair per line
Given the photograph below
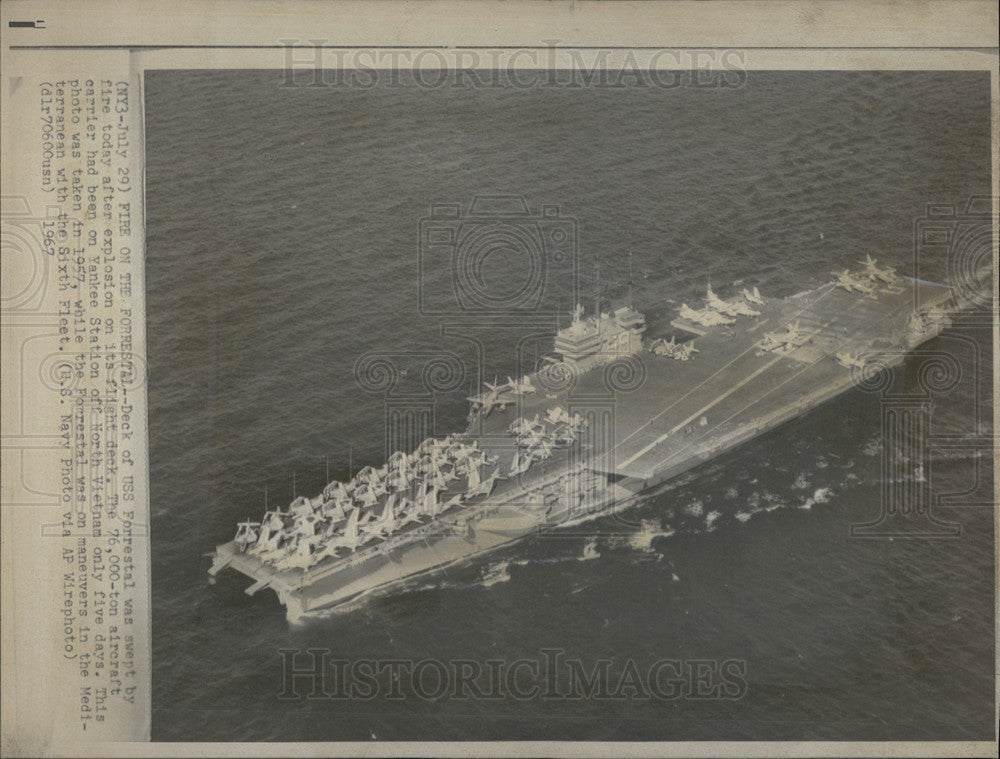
733, 388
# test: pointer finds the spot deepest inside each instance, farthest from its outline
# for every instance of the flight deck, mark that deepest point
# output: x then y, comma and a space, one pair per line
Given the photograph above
587, 433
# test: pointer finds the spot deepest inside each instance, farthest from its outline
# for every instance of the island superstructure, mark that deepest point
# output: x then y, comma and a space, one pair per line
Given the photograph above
607, 417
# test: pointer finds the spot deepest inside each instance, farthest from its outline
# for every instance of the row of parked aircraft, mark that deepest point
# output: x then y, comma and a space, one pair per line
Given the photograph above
537, 437
872, 275
719, 312
499, 395
670, 349
408, 488
372, 506
865, 282
868, 279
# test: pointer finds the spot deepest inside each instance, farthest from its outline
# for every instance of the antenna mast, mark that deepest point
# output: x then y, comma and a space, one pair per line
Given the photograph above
630, 279
597, 288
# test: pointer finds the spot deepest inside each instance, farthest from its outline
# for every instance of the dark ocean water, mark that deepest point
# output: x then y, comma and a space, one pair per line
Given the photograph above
283, 244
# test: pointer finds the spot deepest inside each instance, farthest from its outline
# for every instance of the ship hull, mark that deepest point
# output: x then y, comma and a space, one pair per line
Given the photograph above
384, 569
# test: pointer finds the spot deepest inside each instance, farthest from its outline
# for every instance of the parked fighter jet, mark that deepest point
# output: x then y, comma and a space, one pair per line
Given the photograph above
272, 530
452, 502
366, 475
300, 506
671, 349
522, 426
302, 553
335, 491
541, 450
399, 479
718, 305
740, 308
887, 275
522, 386
485, 487
350, 539
661, 347
847, 281
685, 351
331, 548
706, 316
556, 414
306, 526
752, 297
564, 434
789, 339
520, 464
407, 512
473, 480
246, 534
334, 508
365, 495
430, 503
530, 439
484, 403
447, 472
385, 522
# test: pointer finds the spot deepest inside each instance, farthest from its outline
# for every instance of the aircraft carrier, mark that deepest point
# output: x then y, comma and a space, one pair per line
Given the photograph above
608, 416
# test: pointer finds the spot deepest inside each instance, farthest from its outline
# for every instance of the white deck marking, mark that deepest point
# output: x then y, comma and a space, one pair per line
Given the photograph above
712, 376
756, 400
